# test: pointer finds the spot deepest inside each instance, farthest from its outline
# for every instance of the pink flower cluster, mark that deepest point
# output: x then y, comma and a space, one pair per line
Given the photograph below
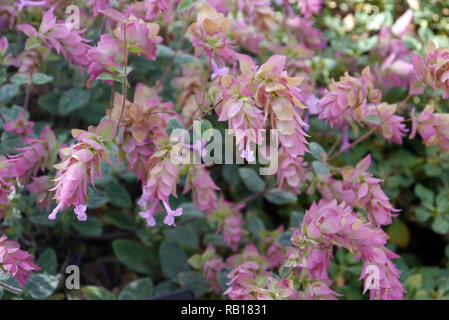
60, 37
431, 70
203, 188
347, 98
80, 164
432, 127
209, 263
327, 224
20, 126
18, 263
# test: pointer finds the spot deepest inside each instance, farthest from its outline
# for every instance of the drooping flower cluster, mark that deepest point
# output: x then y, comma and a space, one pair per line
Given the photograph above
203, 188
327, 224
39, 154
80, 164
16, 262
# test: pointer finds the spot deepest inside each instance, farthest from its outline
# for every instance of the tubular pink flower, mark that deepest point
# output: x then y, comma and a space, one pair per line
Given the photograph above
37, 155
18, 263
290, 174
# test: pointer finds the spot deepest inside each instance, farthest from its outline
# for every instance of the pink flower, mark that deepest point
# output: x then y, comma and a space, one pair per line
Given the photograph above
41, 186
392, 126
433, 127
311, 37
368, 193
38, 155
107, 56
209, 33
80, 164
21, 126
60, 37
203, 188
328, 224
432, 70
98, 6
346, 99
230, 221
141, 37
18, 263
171, 214
310, 7
4, 59
291, 173
209, 264
280, 96
153, 7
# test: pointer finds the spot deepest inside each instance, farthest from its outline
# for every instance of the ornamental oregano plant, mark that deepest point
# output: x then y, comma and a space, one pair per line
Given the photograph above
244, 149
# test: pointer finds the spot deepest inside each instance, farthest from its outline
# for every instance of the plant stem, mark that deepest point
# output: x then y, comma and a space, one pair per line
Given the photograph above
252, 197
178, 47
10, 288
206, 80
362, 138
125, 76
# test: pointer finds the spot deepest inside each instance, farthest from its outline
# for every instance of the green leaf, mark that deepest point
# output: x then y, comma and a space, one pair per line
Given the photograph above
107, 130
97, 293
91, 227
96, 198
373, 119
440, 225
251, 180
140, 289
185, 5
285, 238
41, 78
422, 214
19, 78
399, 233
319, 168
206, 133
72, 100
317, 151
48, 261
41, 285
280, 197
173, 259
8, 91
134, 255
173, 124
182, 236
194, 281
118, 195
255, 225
50, 102
120, 220
426, 195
